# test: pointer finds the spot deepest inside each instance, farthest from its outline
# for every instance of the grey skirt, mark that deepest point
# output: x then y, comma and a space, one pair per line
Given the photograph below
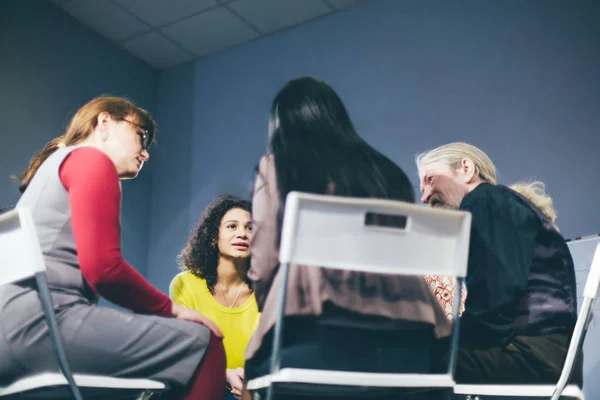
98, 340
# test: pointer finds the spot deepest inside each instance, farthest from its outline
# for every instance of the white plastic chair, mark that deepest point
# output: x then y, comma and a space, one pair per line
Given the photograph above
561, 389
21, 258
335, 232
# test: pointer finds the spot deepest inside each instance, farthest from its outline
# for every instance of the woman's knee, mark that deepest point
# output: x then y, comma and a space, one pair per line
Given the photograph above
215, 352
217, 344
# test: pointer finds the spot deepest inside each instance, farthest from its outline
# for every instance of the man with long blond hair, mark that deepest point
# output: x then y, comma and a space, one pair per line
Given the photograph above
521, 303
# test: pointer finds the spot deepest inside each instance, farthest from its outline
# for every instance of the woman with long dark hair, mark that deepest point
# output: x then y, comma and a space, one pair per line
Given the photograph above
214, 281
335, 319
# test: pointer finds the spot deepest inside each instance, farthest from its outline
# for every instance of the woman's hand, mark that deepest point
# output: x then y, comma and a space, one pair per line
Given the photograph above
187, 314
235, 378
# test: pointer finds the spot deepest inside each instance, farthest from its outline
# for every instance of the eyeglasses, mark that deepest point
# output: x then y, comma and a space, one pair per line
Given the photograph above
144, 135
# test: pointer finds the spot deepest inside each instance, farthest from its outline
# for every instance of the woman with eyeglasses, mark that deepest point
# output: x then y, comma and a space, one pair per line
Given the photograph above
73, 191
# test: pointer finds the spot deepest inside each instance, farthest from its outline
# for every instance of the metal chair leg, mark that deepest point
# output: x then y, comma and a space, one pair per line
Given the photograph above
59, 350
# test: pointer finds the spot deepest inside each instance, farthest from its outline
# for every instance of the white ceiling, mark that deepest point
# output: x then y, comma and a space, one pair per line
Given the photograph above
165, 33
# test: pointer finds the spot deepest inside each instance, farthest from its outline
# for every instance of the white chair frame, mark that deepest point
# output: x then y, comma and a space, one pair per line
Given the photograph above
553, 392
332, 232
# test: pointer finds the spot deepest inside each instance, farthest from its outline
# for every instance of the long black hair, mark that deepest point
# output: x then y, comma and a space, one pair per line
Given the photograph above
316, 148
201, 252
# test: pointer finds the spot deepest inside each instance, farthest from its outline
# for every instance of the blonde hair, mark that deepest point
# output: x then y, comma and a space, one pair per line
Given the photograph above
536, 193
453, 153
81, 126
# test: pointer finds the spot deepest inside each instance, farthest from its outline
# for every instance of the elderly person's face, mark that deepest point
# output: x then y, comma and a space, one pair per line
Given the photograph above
442, 185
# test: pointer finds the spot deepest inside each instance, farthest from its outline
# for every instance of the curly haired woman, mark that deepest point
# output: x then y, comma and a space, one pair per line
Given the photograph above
214, 280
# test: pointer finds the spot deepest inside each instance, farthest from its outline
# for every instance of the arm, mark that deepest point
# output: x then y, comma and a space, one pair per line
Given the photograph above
501, 251
179, 294
91, 179
264, 248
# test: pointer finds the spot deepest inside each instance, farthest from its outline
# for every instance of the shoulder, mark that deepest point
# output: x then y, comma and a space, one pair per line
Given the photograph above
266, 175
186, 284
495, 196
90, 159
266, 163
89, 167
186, 277
498, 199
90, 155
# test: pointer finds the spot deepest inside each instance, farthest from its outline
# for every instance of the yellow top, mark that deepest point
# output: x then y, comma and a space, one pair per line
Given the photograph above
237, 324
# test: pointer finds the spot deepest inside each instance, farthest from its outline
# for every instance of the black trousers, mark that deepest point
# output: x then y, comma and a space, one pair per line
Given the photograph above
309, 344
525, 360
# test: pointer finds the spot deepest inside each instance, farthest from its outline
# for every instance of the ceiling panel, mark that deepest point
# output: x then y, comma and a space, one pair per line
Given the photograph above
161, 12
274, 15
211, 31
165, 33
157, 51
106, 18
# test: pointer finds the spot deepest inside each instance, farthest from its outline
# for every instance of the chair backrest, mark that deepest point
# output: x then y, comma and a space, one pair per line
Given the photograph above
371, 235
20, 252
374, 235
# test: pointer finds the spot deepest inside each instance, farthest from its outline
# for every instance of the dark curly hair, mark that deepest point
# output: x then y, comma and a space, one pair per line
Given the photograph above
200, 255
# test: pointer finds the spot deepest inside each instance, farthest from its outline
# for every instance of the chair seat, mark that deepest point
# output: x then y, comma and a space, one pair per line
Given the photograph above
84, 381
546, 391
344, 378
